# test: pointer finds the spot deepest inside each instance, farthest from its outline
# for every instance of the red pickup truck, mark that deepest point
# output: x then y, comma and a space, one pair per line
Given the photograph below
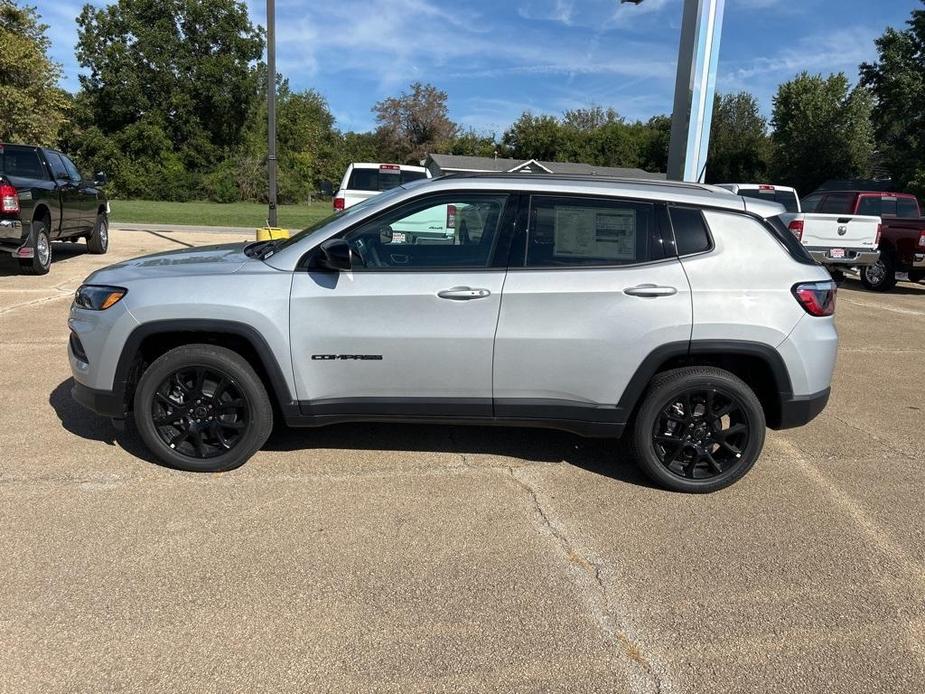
902, 238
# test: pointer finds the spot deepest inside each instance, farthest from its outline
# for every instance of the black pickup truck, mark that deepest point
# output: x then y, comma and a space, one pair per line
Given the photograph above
43, 198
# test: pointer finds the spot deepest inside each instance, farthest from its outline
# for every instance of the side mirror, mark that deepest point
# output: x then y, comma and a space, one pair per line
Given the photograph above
100, 179
386, 235
326, 188
336, 255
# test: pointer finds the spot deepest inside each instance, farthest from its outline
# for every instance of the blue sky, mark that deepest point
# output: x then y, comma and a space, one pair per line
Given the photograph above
497, 59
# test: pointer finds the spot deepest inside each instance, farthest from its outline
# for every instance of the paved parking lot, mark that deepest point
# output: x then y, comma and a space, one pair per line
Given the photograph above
399, 558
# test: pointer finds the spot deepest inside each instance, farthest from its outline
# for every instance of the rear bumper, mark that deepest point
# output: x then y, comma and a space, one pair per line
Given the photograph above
103, 402
919, 260
12, 235
798, 410
852, 257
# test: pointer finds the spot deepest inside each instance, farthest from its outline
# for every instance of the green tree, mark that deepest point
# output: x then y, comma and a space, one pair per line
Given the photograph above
182, 67
32, 107
654, 141
739, 142
535, 137
822, 130
472, 144
897, 81
414, 123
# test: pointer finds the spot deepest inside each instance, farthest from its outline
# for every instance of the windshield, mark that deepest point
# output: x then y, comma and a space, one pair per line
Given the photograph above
356, 210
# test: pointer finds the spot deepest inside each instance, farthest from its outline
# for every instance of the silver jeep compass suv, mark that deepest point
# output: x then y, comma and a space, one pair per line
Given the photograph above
682, 315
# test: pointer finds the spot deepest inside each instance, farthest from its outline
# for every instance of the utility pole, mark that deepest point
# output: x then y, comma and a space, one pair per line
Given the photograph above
271, 110
695, 88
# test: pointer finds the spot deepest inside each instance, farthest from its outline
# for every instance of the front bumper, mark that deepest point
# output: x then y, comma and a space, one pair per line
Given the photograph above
798, 410
103, 402
852, 257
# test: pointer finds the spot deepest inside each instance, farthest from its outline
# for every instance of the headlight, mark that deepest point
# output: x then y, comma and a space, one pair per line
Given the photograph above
98, 298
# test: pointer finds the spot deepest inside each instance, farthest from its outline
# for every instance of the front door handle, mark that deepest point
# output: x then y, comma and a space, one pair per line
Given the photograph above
650, 290
463, 293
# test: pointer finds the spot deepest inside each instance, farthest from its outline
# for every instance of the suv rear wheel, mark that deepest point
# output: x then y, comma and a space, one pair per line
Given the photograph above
699, 429
202, 408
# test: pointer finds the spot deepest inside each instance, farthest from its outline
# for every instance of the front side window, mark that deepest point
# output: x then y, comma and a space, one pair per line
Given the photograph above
456, 231
72, 171
574, 232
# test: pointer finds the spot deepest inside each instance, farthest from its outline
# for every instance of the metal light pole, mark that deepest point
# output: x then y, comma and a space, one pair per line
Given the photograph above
695, 88
271, 110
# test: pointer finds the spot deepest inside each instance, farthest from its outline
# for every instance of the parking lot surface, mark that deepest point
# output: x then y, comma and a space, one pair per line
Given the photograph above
402, 558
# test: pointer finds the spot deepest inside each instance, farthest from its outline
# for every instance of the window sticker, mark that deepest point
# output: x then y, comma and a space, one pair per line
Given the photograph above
587, 232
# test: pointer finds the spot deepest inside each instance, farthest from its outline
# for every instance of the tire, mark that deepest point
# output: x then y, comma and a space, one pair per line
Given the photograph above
98, 240
880, 277
214, 425
40, 262
666, 416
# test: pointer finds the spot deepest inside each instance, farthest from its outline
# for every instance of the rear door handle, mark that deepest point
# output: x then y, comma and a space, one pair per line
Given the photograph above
463, 293
650, 290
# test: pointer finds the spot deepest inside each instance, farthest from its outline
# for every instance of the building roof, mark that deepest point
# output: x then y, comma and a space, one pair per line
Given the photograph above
449, 163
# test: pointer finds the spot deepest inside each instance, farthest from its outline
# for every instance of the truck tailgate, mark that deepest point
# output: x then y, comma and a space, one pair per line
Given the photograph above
838, 231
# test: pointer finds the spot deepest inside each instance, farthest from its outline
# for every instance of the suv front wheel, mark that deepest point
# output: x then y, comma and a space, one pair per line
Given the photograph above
699, 429
202, 408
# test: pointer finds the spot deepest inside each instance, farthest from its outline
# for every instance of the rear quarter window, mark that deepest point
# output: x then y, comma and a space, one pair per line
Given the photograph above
690, 230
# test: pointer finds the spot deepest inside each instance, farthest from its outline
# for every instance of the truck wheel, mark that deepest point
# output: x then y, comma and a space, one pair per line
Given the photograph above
202, 408
881, 276
98, 240
698, 429
40, 262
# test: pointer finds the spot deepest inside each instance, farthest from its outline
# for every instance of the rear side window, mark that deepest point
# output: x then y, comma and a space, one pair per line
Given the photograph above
786, 198
690, 230
58, 171
837, 203
21, 161
575, 232
377, 181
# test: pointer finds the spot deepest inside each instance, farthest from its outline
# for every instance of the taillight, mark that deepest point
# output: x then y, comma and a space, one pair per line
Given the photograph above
339, 203
817, 298
9, 198
796, 228
879, 234
922, 240
451, 216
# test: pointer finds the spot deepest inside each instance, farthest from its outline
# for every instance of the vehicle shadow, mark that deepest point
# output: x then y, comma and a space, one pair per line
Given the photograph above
902, 287
78, 420
66, 250
604, 457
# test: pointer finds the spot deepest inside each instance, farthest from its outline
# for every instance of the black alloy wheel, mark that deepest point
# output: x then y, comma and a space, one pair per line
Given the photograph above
200, 412
701, 433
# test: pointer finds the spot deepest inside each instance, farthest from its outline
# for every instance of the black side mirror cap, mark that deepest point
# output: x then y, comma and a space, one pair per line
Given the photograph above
336, 255
326, 188
100, 179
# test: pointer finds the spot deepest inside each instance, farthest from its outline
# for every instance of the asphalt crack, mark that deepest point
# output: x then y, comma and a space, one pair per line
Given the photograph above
597, 593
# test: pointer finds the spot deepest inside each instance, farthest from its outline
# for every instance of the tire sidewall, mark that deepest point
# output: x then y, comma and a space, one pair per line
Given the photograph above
99, 242
889, 274
656, 400
239, 371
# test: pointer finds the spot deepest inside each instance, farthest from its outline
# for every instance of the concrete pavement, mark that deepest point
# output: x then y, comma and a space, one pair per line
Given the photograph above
399, 558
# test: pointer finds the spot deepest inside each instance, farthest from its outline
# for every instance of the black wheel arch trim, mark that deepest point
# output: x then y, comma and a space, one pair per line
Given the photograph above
660, 356
287, 403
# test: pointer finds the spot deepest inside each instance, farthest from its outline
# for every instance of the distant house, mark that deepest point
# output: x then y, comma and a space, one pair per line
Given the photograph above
439, 164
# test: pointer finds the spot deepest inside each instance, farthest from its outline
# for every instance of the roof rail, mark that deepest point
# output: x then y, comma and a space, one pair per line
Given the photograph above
575, 177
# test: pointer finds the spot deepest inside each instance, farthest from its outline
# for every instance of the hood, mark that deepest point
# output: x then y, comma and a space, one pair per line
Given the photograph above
222, 259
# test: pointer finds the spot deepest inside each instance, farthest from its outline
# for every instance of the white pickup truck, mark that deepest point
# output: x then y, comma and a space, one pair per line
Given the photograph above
835, 240
363, 180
